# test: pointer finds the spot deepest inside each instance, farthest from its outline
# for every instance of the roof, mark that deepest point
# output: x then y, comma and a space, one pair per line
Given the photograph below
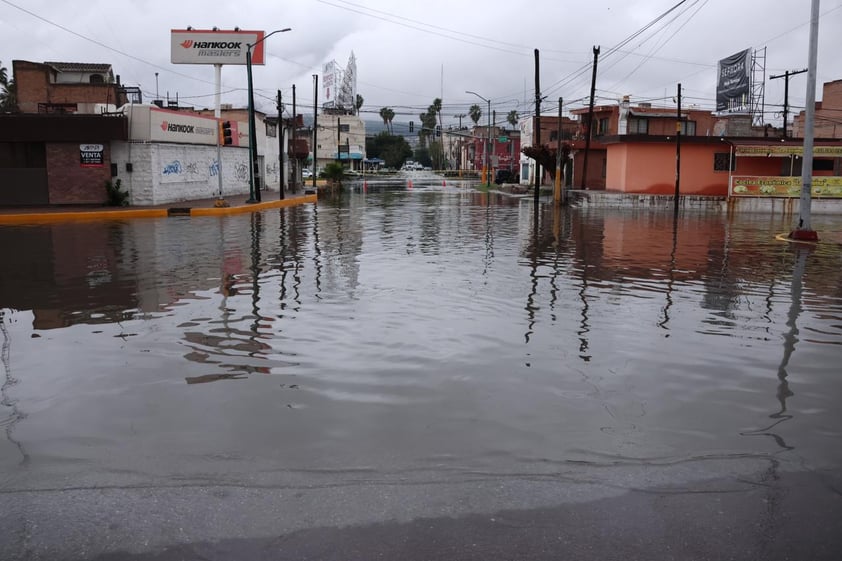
80, 67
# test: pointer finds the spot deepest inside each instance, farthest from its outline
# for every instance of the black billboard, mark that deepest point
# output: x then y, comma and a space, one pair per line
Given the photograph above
733, 88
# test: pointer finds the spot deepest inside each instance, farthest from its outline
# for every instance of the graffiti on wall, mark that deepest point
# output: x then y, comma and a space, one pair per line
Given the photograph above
177, 171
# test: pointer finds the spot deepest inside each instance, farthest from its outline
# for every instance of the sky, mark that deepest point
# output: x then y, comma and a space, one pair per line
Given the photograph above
409, 53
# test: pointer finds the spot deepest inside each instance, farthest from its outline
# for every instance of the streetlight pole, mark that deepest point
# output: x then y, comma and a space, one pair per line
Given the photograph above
486, 170
254, 182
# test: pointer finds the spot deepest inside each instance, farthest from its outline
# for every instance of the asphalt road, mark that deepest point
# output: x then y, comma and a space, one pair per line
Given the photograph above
768, 515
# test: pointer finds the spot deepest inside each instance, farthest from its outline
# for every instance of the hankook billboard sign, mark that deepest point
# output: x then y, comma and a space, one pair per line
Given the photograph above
205, 46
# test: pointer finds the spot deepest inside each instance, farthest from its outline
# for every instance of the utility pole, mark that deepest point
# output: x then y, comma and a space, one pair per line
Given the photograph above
804, 231
294, 140
537, 133
677, 153
338, 139
281, 145
786, 76
315, 124
558, 196
590, 118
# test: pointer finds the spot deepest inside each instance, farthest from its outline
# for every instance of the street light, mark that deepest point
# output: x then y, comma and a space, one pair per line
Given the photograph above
486, 171
254, 193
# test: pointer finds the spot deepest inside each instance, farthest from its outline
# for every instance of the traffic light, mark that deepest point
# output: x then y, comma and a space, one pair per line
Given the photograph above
225, 137
411, 126
438, 130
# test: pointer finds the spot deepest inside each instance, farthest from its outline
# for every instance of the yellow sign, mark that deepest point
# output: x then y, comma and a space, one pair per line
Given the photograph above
782, 151
769, 186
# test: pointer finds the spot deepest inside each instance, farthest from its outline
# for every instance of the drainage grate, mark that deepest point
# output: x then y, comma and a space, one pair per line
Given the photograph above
178, 211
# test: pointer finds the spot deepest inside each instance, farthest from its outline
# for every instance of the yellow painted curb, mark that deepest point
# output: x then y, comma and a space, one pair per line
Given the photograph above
59, 216
214, 211
62, 216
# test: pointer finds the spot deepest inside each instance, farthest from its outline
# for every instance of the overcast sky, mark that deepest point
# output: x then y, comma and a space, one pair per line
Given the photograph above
410, 52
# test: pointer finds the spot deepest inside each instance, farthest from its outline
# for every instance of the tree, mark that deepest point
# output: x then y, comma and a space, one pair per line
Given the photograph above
394, 150
387, 114
358, 103
437, 108
8, 97
383, 115
546, 157
475, 112
512, 118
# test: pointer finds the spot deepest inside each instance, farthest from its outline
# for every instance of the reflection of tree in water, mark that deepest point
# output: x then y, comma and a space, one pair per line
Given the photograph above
8, 381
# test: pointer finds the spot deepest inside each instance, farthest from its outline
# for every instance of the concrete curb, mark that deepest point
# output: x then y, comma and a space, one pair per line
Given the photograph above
72, 215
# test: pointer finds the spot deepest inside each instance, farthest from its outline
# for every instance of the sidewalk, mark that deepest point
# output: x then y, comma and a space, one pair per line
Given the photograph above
201, 207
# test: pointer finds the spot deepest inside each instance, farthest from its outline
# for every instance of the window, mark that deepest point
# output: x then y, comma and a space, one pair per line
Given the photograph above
638, 126
688, 128
722, 161
602, 127
96, 79
344, 128
822, 165
271, 130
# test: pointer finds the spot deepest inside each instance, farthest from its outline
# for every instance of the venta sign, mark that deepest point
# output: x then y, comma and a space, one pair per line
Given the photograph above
204, 46
91, 155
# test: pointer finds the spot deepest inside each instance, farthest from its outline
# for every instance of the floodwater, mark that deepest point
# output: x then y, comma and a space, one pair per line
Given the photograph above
400, 354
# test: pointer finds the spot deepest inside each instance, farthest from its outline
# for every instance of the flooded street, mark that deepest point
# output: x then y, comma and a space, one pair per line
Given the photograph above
404, 364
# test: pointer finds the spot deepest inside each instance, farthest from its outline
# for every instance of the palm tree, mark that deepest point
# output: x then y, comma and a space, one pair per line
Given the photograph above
513, 118
8, 99
358, 103
475, 112
390, 114
437, 108
384, 116
387, 114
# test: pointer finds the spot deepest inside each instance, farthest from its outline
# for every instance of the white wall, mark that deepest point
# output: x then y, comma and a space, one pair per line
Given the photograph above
169, 173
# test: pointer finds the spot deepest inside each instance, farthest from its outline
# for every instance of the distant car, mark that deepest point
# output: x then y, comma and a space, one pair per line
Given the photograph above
503, 176
306, 173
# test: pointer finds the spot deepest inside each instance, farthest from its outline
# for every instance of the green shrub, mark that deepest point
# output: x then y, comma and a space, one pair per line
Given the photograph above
116, 196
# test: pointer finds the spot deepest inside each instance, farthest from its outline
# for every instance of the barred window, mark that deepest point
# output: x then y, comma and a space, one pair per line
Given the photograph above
722, 161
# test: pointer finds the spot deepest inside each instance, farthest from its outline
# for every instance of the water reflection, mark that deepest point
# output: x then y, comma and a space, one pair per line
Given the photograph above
456, 331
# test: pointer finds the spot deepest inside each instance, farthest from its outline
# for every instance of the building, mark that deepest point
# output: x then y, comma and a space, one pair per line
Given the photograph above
828, 116
503, 147
78, 129
340, 137
68, 87
549, 136
57, 148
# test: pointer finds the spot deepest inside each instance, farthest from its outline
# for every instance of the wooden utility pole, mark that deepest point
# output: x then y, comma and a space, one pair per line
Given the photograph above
590, 118
315, 125
294, 170
537, 134
281, 145
558, 192
677, 153
786, 76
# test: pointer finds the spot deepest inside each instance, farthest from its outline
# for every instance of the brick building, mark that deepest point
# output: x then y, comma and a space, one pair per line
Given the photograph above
57, 148
66, 87
828, 117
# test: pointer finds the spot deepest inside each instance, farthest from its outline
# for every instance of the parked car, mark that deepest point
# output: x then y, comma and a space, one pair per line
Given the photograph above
503, 176
306, 173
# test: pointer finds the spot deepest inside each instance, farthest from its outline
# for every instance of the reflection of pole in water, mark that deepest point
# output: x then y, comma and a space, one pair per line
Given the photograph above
8, 382
584, 324
533, 275
317, 251
256, 232
666, 309
791, 336
489, 240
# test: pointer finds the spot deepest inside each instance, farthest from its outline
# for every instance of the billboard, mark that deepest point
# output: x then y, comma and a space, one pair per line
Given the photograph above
733, 88
331, 78
205, 46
